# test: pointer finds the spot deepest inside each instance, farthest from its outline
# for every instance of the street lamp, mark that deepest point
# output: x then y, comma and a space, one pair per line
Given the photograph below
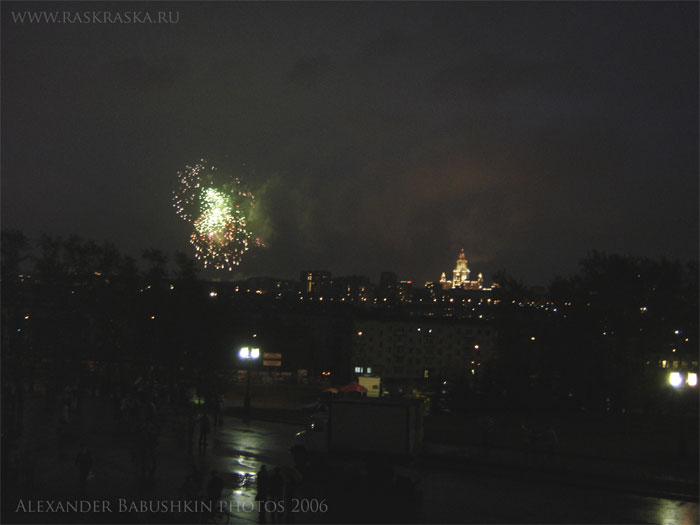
248, 355
675, 379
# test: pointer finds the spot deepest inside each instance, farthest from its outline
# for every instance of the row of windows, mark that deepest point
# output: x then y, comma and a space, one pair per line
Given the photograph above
367, 349
402, 330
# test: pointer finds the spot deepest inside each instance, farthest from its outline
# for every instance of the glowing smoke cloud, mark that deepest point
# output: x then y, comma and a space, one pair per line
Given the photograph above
218, 208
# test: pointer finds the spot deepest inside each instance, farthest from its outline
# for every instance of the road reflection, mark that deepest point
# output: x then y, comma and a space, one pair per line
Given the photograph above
676, 513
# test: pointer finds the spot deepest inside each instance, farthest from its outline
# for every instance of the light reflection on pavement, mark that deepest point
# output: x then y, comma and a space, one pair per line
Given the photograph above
676, 513
449, 496
239, 451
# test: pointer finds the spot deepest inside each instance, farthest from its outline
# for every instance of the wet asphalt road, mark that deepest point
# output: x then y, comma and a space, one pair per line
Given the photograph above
449, 495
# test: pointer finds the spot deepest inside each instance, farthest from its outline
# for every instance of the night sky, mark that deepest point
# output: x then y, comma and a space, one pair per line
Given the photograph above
374, 136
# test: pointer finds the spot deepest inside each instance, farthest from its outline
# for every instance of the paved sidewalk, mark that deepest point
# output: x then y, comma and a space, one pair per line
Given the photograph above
47, 469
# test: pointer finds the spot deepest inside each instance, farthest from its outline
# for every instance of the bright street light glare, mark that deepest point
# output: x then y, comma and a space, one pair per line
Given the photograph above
244, 353
254, 353
692, 379
675, 379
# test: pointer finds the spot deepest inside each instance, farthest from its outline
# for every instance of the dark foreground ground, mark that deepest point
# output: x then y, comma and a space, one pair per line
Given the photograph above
463, 481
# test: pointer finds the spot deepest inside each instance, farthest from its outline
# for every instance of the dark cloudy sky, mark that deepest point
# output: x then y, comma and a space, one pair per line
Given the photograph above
375, 136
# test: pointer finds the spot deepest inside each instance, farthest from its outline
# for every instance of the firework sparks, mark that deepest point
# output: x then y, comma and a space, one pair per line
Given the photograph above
217, 206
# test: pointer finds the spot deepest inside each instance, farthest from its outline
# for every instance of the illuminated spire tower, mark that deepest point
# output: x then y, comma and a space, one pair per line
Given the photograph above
460, 275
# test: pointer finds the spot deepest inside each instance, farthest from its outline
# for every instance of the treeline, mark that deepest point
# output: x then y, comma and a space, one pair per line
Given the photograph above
71, 304
603, 339
53, 259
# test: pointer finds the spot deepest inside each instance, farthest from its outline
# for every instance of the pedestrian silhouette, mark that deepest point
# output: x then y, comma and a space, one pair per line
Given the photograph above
214, 488
261, 480
204, 427
218, 410
276, 492
191, 426
149, 446
84, 463
261, 495
193, 484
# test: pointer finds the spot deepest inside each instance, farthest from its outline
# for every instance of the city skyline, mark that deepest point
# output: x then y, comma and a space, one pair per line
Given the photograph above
375, 137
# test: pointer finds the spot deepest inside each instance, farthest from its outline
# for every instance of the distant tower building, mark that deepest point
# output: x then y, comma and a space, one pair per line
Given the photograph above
315, 281
460, 275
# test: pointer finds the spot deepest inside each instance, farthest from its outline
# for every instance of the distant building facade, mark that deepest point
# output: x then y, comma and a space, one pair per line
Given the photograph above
419, 349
